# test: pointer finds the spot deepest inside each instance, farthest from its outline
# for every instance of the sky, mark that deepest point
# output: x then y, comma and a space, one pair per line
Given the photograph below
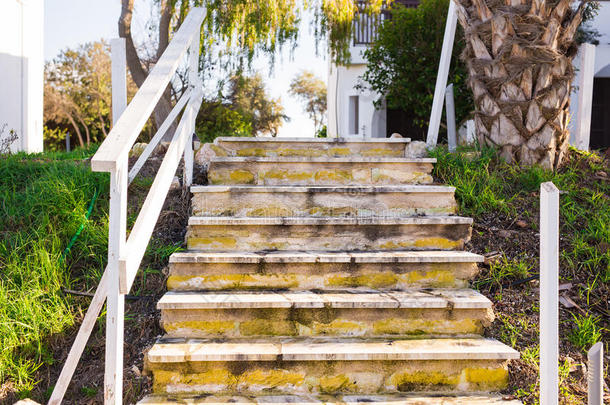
69, 23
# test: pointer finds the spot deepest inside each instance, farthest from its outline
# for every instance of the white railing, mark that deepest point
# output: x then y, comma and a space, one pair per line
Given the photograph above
125, 254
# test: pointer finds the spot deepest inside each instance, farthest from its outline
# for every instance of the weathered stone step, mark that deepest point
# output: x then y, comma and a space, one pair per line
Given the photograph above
335, 366
328, 233
434, 312
320, 270
299, 201
397, 399
324, 171
310, 147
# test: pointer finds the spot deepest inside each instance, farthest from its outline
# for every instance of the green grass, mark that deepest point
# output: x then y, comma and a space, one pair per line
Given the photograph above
44, 199
586, 332
485, 184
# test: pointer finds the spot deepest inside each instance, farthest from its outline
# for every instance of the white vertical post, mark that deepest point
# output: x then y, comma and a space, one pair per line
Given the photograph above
441, 77
450, 113
119, 77
193, 82
595, 374
115, 306
585, 96
549, 294
470, 132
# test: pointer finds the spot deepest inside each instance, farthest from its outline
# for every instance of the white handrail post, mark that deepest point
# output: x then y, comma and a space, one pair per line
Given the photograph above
595, 374
585, 96
450, 113
119, 78
441, 77
549, 294
115, 307
193, 82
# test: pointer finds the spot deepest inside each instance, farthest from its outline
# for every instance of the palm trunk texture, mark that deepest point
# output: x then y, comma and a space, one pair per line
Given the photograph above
519, 58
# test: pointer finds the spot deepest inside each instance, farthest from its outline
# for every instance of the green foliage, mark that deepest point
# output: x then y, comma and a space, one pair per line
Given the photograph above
402, 64
312, 92
484, 183
245, 110
44, 202
586, 332
215, 119
54, 138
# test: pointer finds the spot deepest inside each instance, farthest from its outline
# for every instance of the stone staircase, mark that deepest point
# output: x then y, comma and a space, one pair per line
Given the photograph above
324, 271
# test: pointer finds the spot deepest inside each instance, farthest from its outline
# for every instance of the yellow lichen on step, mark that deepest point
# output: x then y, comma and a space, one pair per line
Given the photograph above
266, 327
218, 150
335, 176
438, 243
339, 327
282, 174
241, 176
233, 177
260, 152
215, 380
212, 242
225, 328
337, 383
232, 281
485, 378
420, 380
270, 211
374, 280
399, 326
434, 278
307, 152
258, 380
373, 152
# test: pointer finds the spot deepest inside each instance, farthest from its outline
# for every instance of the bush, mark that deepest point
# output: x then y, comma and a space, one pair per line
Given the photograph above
403, 63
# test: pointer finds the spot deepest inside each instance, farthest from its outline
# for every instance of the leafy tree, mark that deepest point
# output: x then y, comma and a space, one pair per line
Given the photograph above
245, 109
312, 91
236, 30
519, 60
402, 63
78, 93
248, 96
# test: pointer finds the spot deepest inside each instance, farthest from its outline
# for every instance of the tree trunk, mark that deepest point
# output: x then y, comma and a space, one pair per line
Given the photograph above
75, 126
519, 58
138, 73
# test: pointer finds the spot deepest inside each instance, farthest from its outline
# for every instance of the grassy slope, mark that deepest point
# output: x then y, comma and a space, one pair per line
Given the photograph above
504, 201
43, 201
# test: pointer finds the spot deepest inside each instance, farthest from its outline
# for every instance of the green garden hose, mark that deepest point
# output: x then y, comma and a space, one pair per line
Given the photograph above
81, 227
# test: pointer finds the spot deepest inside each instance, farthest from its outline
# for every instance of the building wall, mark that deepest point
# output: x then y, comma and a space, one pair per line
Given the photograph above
602, 60
341, 85
21, 72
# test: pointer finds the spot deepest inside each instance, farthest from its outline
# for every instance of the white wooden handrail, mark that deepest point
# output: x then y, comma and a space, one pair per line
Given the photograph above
119, 141
133, 172
125, 255
142, 230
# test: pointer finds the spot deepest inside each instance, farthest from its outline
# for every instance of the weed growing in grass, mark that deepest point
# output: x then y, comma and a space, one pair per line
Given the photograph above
586, 332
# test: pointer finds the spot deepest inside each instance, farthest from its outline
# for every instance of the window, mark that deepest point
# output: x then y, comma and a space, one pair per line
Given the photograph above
353, 115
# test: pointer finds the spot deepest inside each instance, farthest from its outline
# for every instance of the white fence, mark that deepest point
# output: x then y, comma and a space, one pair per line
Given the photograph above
125, 254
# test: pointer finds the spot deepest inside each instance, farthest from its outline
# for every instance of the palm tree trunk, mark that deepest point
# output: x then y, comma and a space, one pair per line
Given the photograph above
519, 57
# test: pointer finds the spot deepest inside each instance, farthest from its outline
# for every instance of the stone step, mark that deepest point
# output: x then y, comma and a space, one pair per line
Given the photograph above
397, 399
328, 233
303, 270
310, 147
297, 171
332, 366
301, 201
433, 312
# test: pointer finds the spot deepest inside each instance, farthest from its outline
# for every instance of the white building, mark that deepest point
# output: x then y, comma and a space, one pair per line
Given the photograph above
22, 72
351, 111
599, 137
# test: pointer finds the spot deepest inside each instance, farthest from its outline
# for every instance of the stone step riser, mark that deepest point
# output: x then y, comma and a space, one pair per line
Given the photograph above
316, 149
328, 237
323, 322
321, 276
322, 173
345, 202
329, 377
